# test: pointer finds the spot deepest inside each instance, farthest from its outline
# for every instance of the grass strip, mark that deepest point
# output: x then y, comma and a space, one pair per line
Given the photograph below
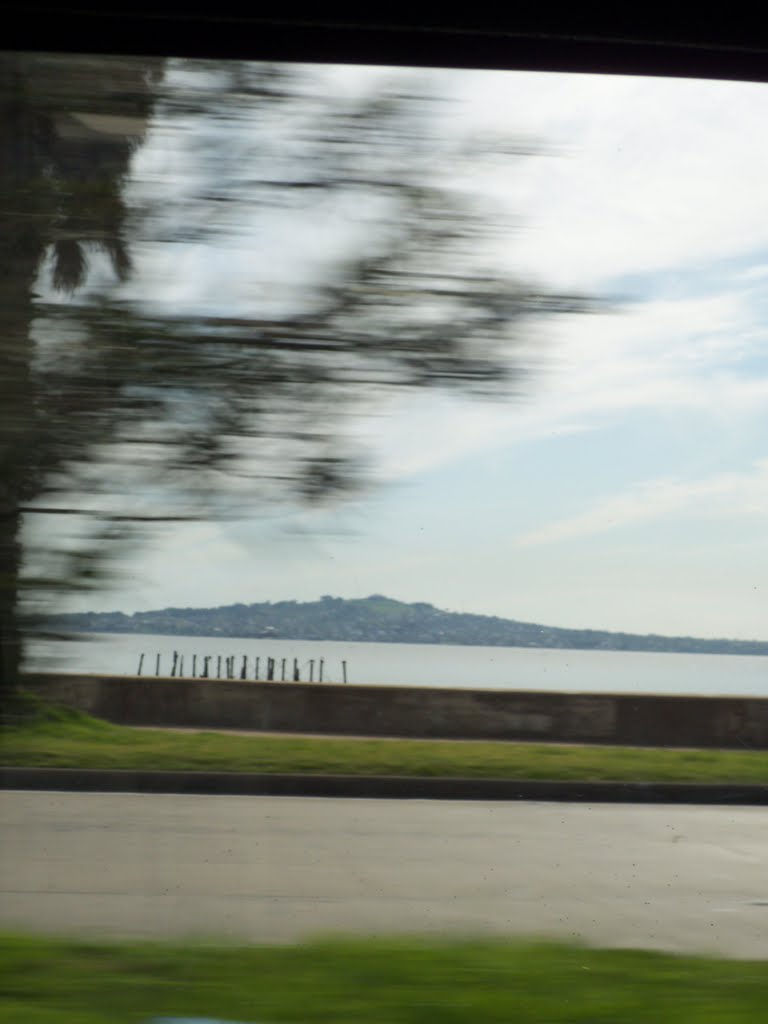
372, 981
59, 737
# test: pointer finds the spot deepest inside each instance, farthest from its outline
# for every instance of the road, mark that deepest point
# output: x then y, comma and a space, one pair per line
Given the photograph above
279, 869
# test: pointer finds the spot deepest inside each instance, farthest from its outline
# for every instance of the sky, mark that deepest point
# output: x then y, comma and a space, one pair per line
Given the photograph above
627, 487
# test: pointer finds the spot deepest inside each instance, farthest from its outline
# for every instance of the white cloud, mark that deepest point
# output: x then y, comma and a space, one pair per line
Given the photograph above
651, 174
643, 175
757, 273
733, 494
647, 175
680, 355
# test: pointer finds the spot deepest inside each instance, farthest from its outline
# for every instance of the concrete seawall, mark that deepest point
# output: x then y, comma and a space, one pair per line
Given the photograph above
624, 719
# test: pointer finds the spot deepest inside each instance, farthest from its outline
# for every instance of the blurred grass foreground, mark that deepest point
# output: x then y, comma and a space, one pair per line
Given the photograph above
377, 981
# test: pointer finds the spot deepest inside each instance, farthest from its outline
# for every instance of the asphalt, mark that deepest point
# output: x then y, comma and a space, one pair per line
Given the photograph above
379, 787
284, 869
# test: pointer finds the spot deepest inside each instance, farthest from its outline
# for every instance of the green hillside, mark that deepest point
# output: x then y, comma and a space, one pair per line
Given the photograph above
382, 620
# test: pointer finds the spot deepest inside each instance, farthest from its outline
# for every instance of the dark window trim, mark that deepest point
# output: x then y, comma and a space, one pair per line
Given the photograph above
544, 43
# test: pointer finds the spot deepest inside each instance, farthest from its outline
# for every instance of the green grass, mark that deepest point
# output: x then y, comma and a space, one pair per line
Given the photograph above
69, 739
377, 981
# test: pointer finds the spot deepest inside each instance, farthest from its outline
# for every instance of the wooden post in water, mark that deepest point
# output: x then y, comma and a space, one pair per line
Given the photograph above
270, 669
244, 669
194, 666
344, 670
218, 666
181, 665
282, 671
175, 662
311, 670
296, 676
256, 672
141, 662
157, 665
206, 659
320, 671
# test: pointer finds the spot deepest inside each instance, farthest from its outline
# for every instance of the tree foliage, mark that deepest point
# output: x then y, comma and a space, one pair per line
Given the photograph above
123, 410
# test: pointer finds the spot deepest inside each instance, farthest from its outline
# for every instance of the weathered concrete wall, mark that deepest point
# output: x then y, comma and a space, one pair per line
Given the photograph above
405, 711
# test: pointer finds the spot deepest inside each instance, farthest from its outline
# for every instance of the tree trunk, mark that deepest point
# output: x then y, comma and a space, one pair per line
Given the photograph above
10, 637
17, 468
17, 472
24, 222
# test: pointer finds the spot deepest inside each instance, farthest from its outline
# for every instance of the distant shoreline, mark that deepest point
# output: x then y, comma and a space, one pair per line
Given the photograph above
379, 619
741, 648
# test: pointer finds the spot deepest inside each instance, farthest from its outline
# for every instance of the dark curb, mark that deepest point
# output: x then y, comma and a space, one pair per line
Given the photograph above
379, 786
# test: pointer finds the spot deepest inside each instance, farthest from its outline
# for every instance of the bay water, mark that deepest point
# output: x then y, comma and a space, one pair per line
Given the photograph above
493, 668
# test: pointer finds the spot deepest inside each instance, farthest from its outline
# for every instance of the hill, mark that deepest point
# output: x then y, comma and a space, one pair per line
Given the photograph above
382, 620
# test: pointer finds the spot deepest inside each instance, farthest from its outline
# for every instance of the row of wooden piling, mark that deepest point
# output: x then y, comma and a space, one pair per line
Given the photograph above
234, 668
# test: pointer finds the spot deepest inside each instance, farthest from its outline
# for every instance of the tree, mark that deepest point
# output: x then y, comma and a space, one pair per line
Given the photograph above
128, 414
67, 129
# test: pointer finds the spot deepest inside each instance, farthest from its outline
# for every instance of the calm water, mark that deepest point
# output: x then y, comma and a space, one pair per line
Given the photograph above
498, 668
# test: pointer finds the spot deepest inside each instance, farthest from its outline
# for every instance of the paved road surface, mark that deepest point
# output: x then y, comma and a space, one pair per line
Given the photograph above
278, 869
